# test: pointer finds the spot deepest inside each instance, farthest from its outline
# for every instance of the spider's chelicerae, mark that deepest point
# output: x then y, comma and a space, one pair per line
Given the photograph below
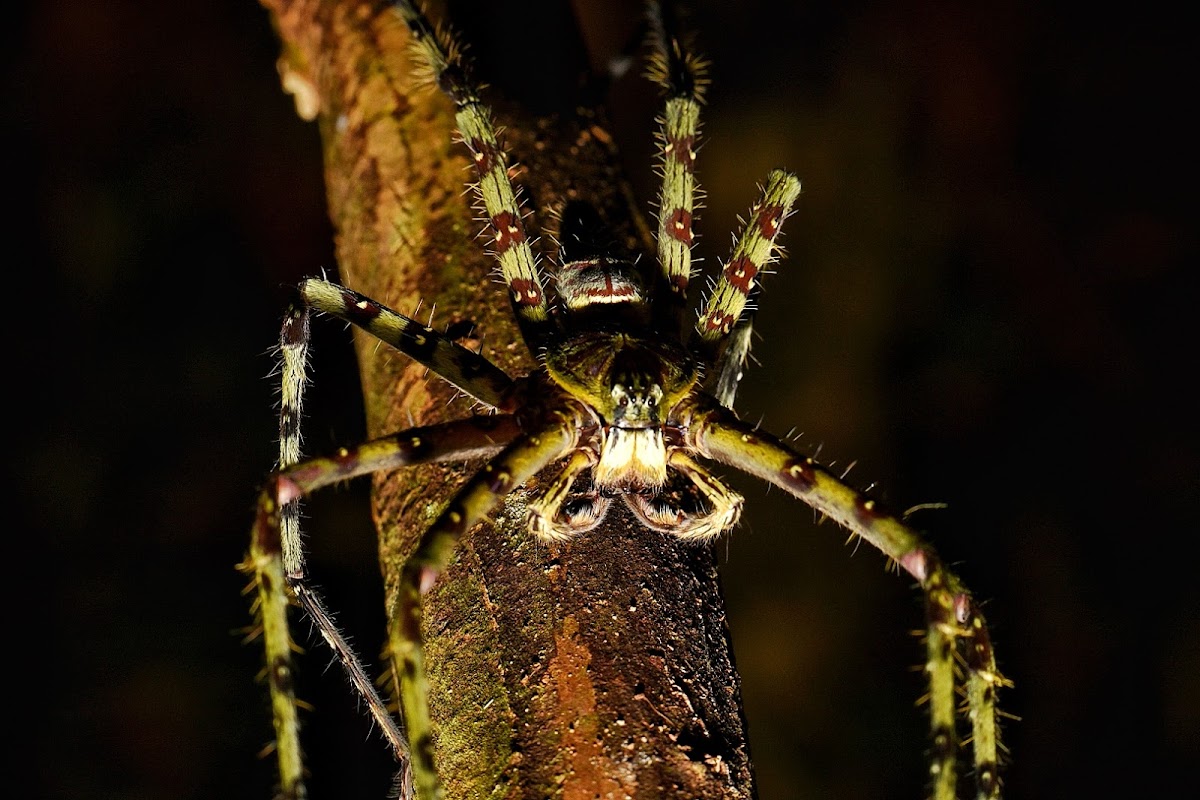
628, 401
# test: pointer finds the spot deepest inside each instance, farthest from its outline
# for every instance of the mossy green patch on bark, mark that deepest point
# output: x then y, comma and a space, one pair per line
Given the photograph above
474, 731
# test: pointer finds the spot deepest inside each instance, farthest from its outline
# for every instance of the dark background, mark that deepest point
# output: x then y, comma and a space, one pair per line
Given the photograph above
985, 303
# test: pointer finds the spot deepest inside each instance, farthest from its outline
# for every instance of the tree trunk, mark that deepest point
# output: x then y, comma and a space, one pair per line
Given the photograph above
597, 669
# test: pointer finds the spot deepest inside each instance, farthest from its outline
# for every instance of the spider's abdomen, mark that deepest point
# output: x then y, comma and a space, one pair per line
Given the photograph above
599, 281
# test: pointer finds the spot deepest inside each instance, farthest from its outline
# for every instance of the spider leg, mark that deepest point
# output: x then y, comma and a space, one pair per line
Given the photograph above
681, 76
658, 513
552, 517
722, 333
268, 563
953, 617
276, 563
450, 71
467, 371
516, 464
276, 556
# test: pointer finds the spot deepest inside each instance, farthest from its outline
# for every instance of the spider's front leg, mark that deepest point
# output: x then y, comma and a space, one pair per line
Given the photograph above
276, 557
279, 573
556, 434
465, 370
953, 618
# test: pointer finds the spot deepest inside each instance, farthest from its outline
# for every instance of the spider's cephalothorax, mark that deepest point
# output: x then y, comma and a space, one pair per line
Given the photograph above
623, 398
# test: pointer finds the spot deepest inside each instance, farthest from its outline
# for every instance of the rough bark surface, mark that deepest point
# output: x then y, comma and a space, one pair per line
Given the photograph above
599, 669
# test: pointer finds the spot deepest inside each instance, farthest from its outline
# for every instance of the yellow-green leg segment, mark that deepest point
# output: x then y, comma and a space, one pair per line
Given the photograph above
443, 58
723, 330
512, 467
464, 369
270, 608
272, 558
277, 567
954, 620
680, 75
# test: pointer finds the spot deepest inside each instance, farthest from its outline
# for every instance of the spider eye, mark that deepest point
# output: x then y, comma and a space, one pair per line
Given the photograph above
635, 405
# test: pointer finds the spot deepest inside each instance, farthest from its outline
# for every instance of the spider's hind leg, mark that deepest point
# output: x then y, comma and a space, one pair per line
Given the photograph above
681, 76
447, 67
722, 333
